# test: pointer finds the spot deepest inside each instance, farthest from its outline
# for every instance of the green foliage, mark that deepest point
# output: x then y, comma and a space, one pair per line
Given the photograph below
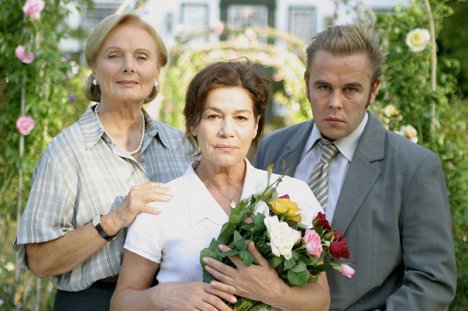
454, 41
407, 97
284, 67
46, 84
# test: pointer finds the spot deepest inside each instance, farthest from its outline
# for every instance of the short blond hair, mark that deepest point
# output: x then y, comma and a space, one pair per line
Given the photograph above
343, 40
99, 34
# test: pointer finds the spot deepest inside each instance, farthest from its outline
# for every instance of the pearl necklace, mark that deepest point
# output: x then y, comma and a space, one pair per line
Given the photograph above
132, 153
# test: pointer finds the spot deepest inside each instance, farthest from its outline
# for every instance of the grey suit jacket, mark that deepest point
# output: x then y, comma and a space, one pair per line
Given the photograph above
394, 211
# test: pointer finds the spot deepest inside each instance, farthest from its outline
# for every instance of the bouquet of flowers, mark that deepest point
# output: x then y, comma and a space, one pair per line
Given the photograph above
297, 252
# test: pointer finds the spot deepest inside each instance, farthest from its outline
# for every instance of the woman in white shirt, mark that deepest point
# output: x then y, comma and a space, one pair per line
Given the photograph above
224, 112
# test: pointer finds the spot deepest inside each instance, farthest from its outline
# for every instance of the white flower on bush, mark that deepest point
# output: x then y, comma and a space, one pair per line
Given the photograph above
417, 39
409, 132
282, 237
9, 266
391, 110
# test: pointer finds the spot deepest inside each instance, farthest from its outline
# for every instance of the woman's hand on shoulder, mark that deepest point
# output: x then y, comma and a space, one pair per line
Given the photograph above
135, 202
192, 296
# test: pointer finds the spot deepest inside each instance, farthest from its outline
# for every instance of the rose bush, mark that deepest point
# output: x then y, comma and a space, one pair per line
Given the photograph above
26, 58
33, 8
35, 80
417, 39
25, 125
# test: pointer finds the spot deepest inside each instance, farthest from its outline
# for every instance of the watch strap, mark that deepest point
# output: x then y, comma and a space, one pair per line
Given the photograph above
102, 233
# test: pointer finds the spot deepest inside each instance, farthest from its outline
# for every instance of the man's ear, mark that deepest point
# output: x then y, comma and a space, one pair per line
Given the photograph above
374, 90
306, 80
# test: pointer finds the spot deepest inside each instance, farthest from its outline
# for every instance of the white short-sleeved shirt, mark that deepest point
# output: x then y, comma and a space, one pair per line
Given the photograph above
189, 222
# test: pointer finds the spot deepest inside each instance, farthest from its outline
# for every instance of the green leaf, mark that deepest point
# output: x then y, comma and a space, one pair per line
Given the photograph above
288, 264
239, 242
247, 258
298, 278
300, 267
276, 262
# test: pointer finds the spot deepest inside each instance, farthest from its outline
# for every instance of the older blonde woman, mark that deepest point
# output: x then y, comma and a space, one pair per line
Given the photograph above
98, 175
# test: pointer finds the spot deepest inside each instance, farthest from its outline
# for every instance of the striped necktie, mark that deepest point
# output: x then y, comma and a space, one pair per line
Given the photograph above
318, 181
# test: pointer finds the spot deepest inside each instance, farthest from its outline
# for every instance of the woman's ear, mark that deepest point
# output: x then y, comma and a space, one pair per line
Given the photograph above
193, 131
256, 127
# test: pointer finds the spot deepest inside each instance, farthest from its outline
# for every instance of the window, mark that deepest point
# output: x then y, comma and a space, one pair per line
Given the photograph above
92, 17
247, 15
194, 16
303, 22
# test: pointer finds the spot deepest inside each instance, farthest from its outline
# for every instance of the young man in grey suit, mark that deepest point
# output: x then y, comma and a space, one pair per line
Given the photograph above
386, 193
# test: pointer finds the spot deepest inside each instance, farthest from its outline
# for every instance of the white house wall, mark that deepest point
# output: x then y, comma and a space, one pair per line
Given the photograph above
161, 13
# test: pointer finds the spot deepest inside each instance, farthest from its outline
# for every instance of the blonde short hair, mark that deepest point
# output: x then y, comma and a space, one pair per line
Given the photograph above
344, 40
98, 36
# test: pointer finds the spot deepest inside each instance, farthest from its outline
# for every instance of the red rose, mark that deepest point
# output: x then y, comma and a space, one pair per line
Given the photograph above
339, 249
321, 221
337, 235
284, 196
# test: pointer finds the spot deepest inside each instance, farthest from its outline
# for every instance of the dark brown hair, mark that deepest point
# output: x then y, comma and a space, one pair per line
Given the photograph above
225, 74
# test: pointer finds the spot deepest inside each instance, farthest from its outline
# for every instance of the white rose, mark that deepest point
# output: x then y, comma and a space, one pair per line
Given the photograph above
282, 237
418, 39
409, 132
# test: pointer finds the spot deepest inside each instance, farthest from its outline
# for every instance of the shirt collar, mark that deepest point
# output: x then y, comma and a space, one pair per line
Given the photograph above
197, 191
154, 128
92, 131
346, 145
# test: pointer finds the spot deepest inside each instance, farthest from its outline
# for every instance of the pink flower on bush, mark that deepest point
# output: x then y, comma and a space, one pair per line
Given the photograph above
347, 271
313, 243
25, 125
25, 58
33, 8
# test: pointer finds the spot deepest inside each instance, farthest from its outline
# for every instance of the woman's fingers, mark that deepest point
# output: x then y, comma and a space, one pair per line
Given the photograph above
216, 294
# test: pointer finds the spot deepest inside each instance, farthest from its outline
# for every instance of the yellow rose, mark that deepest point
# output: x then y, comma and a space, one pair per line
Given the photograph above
287, 208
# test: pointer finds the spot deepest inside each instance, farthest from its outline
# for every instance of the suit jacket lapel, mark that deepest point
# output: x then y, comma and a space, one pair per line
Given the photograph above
293, 149
362, 174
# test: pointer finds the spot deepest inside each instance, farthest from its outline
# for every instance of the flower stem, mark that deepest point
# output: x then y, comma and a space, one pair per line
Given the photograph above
433, 64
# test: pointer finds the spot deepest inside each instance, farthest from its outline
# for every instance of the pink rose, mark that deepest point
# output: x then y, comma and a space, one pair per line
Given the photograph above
33, 8
347, 271
24, 125
313, 243
27, 59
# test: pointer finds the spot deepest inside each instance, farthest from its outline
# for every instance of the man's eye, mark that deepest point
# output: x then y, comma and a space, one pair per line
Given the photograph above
350, 90
323, 87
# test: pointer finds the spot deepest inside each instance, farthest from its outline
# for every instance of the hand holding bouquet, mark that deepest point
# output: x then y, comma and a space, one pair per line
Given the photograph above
297, 251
